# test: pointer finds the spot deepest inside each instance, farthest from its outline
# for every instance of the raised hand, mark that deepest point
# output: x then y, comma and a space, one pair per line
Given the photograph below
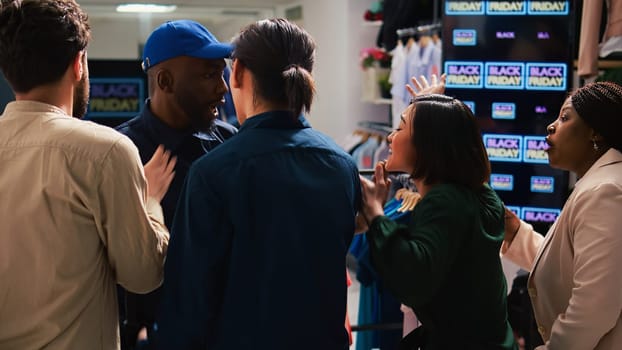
375, 193
423, 87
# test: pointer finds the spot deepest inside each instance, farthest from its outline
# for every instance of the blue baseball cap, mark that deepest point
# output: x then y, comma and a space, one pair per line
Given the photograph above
182, 38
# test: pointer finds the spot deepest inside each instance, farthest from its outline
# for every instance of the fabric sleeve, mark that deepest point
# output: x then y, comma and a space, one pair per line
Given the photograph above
589, 39
524, 248
403, 257
596, 299
131, 225
195, 267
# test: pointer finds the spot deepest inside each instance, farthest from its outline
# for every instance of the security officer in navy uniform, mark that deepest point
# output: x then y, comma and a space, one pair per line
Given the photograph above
184, 64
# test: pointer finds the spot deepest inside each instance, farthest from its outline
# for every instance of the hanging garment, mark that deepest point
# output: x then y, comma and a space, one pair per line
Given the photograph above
399, 78
382, 152
590, 30
376, 304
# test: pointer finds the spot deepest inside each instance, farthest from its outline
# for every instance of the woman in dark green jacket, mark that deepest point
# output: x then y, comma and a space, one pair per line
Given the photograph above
445, 263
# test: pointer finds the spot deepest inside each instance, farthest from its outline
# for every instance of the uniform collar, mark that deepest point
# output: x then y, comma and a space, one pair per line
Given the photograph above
172, 137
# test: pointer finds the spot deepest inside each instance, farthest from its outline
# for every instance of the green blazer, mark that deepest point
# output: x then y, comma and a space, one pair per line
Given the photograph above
445, 265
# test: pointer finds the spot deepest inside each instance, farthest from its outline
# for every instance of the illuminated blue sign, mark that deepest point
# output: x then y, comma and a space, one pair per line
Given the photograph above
502, 182
115, 97
504, 75
503, 110
546, 76
464, 8
549, 8
542, 184
503, 148
506, 7
544, 215
464, 37
464, 75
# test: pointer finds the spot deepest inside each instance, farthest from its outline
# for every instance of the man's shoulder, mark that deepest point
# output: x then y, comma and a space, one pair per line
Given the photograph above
84, 138
132, 126
82, 131
96, 138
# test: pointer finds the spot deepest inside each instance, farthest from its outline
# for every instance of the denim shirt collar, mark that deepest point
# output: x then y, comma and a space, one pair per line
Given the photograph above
275, 120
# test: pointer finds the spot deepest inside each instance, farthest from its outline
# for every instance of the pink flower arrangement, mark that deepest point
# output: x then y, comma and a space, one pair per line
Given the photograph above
371, 55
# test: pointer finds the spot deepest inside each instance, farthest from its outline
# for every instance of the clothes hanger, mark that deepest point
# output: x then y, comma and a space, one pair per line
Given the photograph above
409, 199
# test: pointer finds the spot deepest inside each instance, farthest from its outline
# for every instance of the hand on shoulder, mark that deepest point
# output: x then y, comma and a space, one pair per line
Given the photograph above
159, 173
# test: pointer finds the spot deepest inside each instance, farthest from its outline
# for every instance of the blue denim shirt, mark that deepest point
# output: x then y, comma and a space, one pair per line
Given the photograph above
258, 245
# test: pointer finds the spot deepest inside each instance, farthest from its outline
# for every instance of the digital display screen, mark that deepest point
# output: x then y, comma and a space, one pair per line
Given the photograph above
502, 182
118, 89
116, 97
503, 148
509, 62
504, 75
464, 37
503, 110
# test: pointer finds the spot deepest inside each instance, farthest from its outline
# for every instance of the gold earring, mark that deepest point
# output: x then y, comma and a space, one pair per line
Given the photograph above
595, 145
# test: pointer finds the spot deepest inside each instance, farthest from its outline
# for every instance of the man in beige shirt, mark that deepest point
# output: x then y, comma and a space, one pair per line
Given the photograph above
76, 214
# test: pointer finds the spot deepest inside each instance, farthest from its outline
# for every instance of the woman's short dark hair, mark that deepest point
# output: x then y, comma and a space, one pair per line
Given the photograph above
280, 55
448, 143
39, 39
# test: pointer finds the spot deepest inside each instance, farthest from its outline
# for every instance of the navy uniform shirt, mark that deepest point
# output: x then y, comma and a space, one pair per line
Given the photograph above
258, 245
147, 132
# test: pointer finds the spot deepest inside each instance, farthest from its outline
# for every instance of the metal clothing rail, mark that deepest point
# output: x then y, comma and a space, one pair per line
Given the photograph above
375, 127
376, 327
424, 29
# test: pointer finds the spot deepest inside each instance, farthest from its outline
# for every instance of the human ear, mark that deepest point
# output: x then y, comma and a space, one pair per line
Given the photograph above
595, 136
79, 65
237, 72
164, 79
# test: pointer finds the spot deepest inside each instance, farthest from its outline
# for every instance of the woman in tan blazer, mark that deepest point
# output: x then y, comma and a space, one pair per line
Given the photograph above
575, 283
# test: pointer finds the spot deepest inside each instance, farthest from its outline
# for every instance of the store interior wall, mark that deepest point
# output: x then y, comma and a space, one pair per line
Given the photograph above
336, 26
338, 29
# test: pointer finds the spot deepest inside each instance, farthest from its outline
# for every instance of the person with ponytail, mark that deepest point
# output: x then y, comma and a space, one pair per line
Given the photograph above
261, 232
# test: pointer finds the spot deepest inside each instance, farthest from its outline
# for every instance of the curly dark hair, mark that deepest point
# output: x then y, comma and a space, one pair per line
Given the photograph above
39, 39
600, 106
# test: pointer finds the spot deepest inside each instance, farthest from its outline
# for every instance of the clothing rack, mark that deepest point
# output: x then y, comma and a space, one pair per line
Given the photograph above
375, 127
377, 327
424, 29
